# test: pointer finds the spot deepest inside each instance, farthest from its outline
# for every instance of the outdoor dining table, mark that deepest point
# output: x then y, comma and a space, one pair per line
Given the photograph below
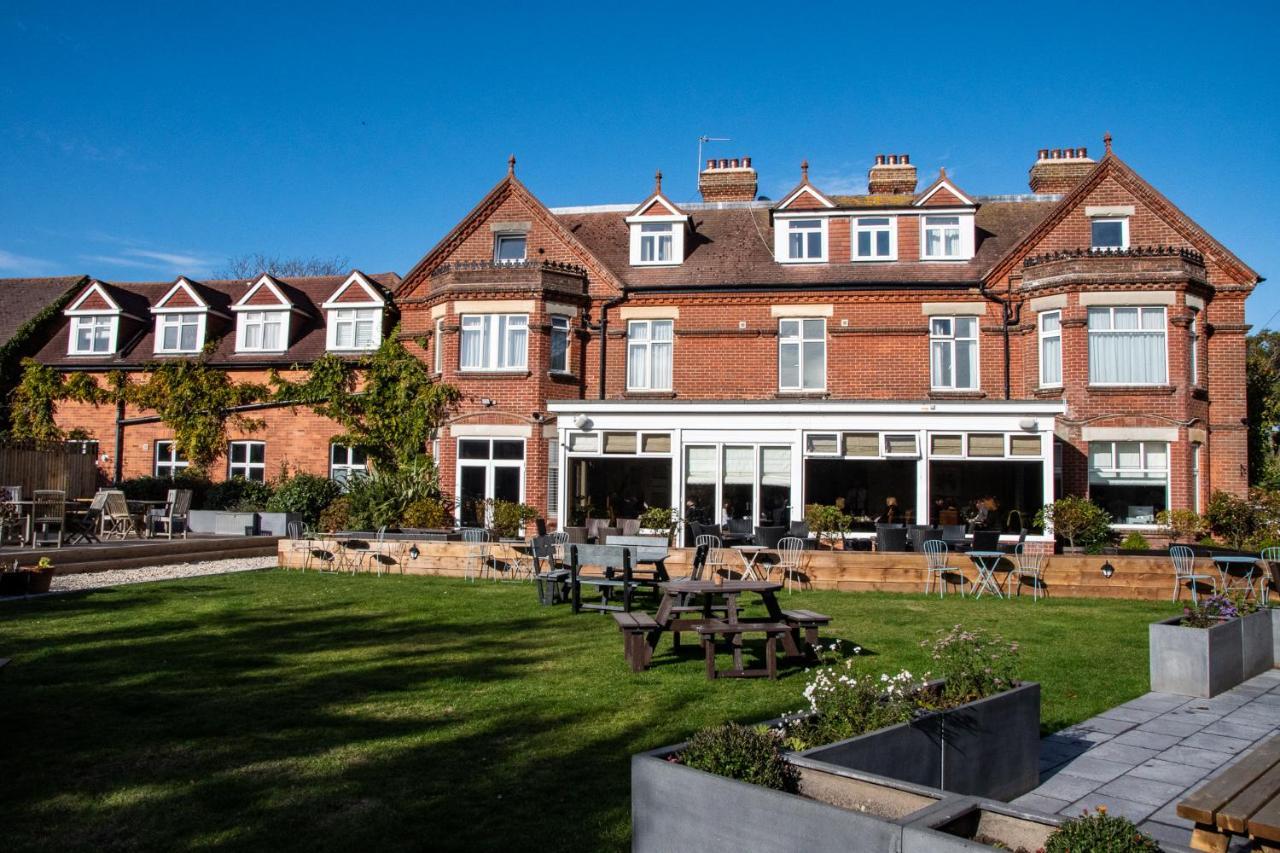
676, 594
750, 554
986, 562
1246, 566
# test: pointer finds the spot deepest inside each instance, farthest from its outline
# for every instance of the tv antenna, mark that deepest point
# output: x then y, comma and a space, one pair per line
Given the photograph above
703, 140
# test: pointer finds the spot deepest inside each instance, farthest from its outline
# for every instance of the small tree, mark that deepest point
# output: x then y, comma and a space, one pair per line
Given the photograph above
1183, 525
1076, 519
256, 263
829, 522
1233, 519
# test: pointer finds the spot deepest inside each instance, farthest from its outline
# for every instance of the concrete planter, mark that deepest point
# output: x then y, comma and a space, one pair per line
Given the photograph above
222, 523
1204, 662
988, 748
276, 523
1275, 636
674, 807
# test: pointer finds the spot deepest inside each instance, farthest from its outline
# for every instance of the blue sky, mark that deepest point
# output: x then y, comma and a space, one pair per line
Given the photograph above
155, 139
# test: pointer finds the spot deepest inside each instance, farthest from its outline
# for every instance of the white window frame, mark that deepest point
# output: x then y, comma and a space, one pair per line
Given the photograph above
949, 342
652, 237
646, 347
559, 326
1124, 233
437, 355
259, 317
502, 237
1112, 330
964, 236
248, 468
1043, 336
93, 321
179, 319
786, 227
354, 316
489, 465
494, 331
172, 460
1142, 468
1196, 449
348, 468
798, 341
638, 235
1193, 349
890, 226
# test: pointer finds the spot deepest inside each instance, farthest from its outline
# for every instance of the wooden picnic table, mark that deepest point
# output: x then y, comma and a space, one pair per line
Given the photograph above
1244, 799
677, 594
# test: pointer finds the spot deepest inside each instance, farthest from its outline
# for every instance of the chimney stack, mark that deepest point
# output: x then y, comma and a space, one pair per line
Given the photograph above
1058, 170
892, 174
728, 180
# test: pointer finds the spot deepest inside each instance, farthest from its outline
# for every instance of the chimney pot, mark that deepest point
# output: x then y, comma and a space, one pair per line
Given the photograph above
1082, 152
724, 162
733, 162
1042, 154
746, 162
737, 181
892, 174
711, 164
905, 159
879, 159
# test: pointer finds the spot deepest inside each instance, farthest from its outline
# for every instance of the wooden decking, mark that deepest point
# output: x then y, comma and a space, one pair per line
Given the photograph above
137, 553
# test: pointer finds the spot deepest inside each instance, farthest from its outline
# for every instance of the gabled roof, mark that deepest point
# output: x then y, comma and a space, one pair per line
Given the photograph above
508, 186
942, 193
94, 299
184, 295
657, 205
1111, 166
805, 196
266, 293
366, 294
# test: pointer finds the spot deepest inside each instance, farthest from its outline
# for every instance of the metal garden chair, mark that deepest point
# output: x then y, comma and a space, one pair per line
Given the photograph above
1027, 565
938, 565
1269, 576
716, 561
1184, 570
791, 556
477, 541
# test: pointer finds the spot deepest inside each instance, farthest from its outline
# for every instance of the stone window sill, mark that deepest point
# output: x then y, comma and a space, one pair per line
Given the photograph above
1124, 390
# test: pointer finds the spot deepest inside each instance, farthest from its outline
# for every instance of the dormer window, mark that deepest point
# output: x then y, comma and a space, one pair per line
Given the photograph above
179, 333
1109, 233
806, 239
875, 238
354, 316
656, 242
262, 331
942, 237
93, 335
509, 248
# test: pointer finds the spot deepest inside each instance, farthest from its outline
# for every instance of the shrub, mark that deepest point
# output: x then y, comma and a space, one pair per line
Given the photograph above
1099, 832
381, 497
305, 494
844, 704
827, 522
336, 516
974, 663
1135, 541
509, 517
740, 752
238, 495
1233, 519
157, 488
427, 512
1184, 525
1077, 519
660, 518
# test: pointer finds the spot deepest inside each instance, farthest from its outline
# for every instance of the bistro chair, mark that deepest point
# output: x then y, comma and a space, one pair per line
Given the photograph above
1184, 571
1027, 566
87, 525
800, 530
791, 557
118, 521
938, 565
176, 509
477, 540
13, 529
299, 542
715, 554
1270, 576
48, 517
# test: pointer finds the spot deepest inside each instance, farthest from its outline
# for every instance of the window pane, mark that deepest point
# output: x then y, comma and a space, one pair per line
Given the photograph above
1126, 318
473, 449
966, 364
1099, 318
1128, 454
966, 327
508, 450
511, 247
1107, 234
814, 329
636, 367
188, 336
646, 249
661, 354
864, 244
1050, 321
815, 364
941, 362
789, 328
795, 245
638, 331
662, 330
882, 243
1051, 361
789, 365
815, 244
664, 248
940, 326
1153, 318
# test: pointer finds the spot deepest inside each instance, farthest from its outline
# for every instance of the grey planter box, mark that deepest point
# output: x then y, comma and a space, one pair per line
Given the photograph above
276, 523
988, 748
1204, 662
222, 523
1275, 636
674, 807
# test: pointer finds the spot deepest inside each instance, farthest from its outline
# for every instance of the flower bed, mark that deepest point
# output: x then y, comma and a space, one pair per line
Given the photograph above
1211, 647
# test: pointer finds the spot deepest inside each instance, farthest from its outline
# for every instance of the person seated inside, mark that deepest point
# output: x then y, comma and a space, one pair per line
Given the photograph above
892, 512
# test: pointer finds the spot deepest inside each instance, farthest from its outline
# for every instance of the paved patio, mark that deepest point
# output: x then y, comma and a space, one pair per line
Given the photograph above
1140, 758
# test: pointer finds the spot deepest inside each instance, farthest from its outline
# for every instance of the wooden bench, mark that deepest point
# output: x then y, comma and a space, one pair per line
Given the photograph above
616, 563
772, 631
1243, 799
636, 627
810, 622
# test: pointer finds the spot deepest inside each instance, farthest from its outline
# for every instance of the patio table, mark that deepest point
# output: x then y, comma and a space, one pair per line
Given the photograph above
1245, 566
986, 562
675, 593
750, 555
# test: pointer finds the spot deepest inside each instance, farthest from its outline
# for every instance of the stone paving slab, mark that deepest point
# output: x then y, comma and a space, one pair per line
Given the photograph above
1141, 758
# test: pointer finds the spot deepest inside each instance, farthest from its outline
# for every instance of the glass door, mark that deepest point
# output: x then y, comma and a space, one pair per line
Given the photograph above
489, 469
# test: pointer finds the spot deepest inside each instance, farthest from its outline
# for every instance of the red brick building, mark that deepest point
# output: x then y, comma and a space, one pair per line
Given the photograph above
922, 348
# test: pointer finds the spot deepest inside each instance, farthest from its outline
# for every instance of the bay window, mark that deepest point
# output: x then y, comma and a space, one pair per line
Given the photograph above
649, 355
802, 355
1130, 479
247, 460
1050, 349
94, 335
180, 332
953, 353
942, 238
805, 239
495, 341
354, 328
559, 344
262, 331
1127, 346
874, 239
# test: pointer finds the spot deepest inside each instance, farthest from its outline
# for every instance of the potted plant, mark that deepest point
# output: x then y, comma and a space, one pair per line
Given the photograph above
39, 576
1213, 646
827, 522
660, 521
1078, 520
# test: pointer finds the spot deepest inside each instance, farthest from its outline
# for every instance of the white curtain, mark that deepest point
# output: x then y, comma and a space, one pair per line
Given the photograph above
700, 466
941, 364
1051, 360
775, 466
739, 466
1129, 349
472, 342
517, 341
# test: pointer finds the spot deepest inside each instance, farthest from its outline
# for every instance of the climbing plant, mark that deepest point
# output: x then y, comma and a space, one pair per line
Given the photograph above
387, 403
33, 403
197, 402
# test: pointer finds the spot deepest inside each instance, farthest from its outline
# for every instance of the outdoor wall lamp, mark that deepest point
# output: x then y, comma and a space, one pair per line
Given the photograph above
538, 417
414, 553
1107, 569
486, 402
1028, 423
582, 422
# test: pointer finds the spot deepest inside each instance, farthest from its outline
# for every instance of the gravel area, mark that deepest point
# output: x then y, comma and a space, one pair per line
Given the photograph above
97, 580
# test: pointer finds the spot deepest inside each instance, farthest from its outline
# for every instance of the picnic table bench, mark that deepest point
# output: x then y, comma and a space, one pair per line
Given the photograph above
1244, 799
615, 561
636, 628
734, 631
809, 622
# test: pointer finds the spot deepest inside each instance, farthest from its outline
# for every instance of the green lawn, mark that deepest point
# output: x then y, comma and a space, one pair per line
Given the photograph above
284, 711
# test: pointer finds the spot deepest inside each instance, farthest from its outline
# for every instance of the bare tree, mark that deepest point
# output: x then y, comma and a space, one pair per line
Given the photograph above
255, 264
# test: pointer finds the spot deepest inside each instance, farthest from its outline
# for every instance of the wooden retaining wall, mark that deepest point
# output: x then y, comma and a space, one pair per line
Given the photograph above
1071, 576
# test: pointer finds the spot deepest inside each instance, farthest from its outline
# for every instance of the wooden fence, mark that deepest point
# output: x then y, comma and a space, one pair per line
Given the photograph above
49, 466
